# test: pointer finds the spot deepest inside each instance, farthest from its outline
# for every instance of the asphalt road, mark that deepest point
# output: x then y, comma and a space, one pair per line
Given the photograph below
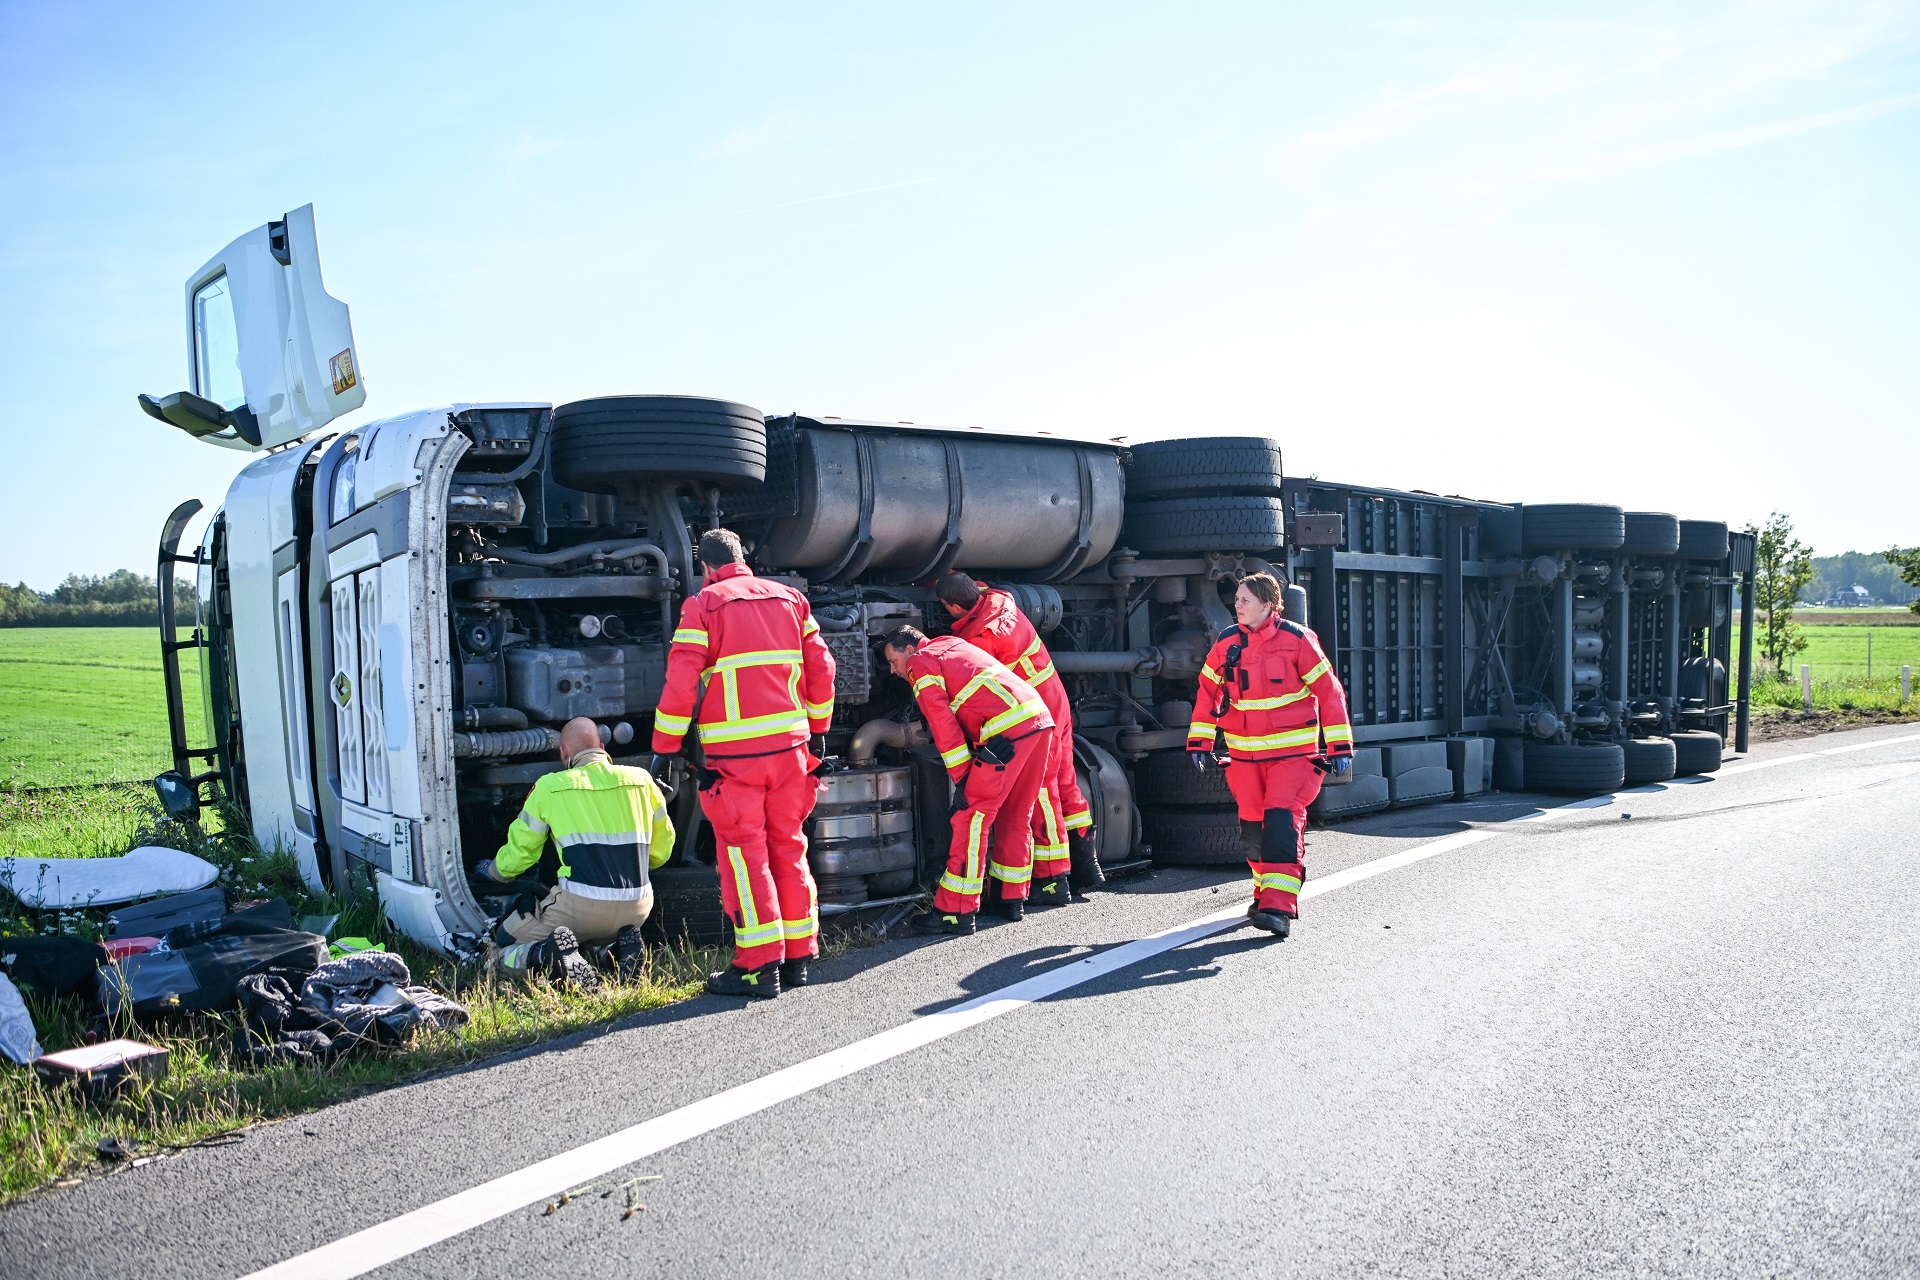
1685, 1043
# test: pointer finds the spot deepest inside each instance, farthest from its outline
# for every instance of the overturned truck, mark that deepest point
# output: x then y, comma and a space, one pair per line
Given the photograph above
393, 620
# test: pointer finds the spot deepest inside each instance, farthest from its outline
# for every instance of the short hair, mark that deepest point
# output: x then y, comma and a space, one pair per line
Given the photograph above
958, 588
904, 638
1265, 588
720, 548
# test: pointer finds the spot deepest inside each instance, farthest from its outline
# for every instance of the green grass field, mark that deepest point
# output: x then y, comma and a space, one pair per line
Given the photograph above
86, 704
1836, 659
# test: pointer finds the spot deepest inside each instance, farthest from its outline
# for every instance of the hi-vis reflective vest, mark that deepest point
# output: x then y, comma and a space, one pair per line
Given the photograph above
996, 626
1280, 698
767, 675
608, 821
967, 698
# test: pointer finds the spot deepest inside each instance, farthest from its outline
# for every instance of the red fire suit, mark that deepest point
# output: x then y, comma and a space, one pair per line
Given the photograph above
968, 699
996, 625
748, 668
1273, 702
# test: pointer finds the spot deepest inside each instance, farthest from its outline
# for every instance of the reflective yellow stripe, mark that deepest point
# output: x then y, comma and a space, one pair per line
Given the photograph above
750, 933
1009, 718
1010, 875
690, 635
1048, 822
974, 685
797, 929
1270, 704
1276, 880
756, 658
1208, 673
1040, 677
534, 824
820, 710
1267, 742
972, 882
926, 682
753, 726
1339, 733
956, 756
1319, 669
672, 725
809, 627
1080, 820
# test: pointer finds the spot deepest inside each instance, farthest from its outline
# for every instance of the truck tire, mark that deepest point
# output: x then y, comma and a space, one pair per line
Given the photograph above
1193, 837
1648, 760
1183, 526
1651, 533
1703, 540
1215, 465
1571, 526
1167, 779
686, 908
1580, 768
1696, 751
617, 442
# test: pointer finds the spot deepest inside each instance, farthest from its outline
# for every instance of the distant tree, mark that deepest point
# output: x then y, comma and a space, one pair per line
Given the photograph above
1907, 561
1782, 565
122, 586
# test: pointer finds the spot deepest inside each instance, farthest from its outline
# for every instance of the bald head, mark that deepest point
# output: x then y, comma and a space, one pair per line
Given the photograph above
578, 735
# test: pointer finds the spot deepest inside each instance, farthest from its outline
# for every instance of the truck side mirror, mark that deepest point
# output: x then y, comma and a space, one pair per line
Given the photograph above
178, 796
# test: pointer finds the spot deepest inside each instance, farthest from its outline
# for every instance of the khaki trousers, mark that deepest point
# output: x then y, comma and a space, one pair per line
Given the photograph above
594, 921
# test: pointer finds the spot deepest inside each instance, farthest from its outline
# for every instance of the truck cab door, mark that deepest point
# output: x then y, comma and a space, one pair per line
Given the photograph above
270, 354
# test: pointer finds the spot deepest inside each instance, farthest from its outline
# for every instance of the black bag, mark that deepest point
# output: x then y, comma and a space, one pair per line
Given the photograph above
202, 965
52, 966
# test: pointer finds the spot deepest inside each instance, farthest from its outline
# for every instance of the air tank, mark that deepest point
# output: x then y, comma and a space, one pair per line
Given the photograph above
903, 503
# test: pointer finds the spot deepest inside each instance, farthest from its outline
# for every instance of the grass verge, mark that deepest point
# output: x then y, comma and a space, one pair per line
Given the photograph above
50, 1136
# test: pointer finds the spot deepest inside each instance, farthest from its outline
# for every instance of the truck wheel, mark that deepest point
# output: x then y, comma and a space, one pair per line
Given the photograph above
1651, 533
616, 442
1571, 526
1580, 768
686, 908
1210, 465
1168, 778
1703, 540
1696, 751
1648, 760
1180, 526
1193, 837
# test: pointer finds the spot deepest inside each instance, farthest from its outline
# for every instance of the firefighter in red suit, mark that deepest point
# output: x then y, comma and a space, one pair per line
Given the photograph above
1271, 693
995, 737
749, 669
1062, 820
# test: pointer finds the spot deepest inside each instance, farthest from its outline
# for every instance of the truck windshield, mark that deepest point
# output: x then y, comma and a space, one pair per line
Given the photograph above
216, 345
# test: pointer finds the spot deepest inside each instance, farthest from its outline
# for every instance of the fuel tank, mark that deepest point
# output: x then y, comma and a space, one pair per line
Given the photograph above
903, 503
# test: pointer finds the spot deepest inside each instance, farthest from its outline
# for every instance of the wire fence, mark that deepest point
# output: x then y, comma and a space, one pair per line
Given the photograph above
84, 706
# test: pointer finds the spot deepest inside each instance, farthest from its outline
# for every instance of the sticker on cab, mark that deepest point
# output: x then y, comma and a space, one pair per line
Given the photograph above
343, 375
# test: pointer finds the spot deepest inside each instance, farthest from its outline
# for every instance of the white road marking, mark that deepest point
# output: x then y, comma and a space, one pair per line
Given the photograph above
397, 1238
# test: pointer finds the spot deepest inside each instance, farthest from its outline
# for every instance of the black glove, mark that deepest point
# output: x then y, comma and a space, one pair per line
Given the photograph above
818, 746
959, 797
705, 777
997, 750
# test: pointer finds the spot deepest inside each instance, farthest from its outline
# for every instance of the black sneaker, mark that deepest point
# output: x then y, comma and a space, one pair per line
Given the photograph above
1270, 920
1050, 892
755, 984
793, 973
564, 965
947, 922
628, 952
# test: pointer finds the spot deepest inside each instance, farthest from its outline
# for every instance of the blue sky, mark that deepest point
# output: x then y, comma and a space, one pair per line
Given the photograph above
1659, 255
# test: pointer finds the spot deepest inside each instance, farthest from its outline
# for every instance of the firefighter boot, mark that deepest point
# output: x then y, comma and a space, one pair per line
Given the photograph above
628, 952
1050, 892
1012, 910
559, 957
1086, 862
793, 973
1270, 920
947, 922
755, 984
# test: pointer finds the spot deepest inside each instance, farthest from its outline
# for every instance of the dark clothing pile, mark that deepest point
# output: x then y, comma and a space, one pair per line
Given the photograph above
360, 1000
